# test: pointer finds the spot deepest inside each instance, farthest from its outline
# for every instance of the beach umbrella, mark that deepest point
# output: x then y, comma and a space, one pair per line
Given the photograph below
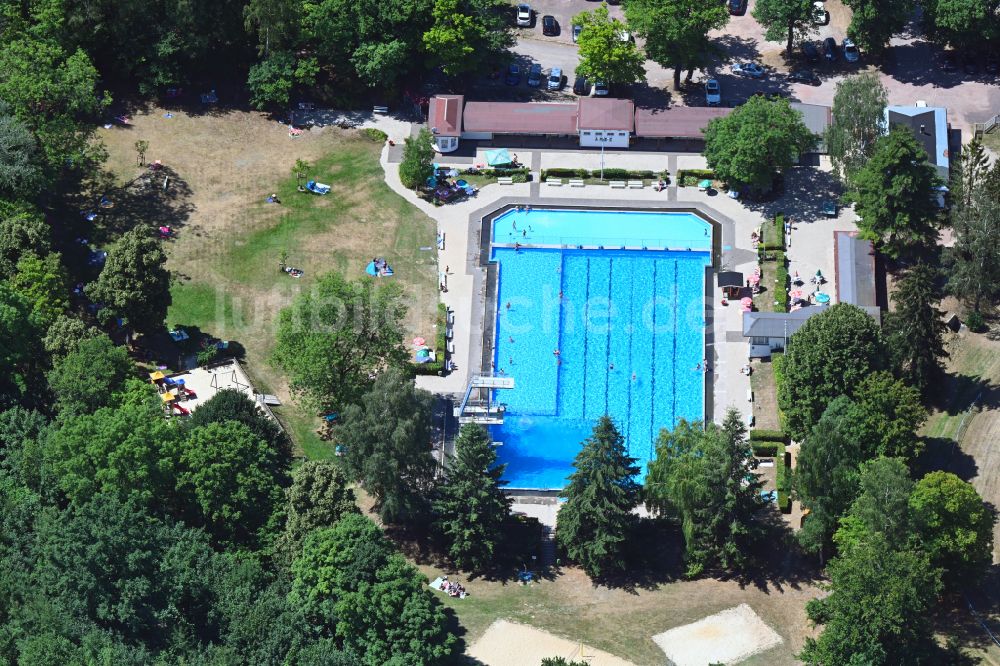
705, 184
418, 341
498, 157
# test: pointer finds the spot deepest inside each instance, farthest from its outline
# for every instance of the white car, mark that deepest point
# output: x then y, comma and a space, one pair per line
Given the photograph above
820, 15
713, 92
555, 79
851, 53
524, 15
601, 89
752, 69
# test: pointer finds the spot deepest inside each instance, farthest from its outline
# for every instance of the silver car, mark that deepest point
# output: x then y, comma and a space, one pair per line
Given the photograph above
524, 15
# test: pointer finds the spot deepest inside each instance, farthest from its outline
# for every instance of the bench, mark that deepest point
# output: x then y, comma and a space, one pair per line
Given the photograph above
450, 346
506, 180
635, 184
554, 182
381, 110
576, 182
617, 184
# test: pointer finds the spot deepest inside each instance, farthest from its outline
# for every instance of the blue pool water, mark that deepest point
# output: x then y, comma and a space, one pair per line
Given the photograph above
629, 327
677, 231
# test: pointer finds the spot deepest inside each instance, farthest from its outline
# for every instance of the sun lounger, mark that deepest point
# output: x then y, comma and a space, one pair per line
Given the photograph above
505, 180
317, 188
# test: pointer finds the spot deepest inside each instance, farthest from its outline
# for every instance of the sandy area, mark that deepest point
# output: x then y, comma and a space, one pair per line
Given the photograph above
726, 638
511, 644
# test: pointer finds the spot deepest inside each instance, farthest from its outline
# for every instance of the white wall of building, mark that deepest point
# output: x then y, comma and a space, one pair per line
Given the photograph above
445, 144
606, 138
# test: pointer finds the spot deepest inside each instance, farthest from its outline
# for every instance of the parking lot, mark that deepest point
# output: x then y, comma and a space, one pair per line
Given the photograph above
912, 70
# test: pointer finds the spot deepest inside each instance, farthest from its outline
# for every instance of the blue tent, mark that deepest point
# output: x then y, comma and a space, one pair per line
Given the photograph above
498, 157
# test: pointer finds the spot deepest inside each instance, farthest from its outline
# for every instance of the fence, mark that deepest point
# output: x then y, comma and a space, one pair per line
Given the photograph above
979, 129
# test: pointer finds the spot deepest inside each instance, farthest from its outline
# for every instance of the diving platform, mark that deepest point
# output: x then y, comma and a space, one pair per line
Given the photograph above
479, 404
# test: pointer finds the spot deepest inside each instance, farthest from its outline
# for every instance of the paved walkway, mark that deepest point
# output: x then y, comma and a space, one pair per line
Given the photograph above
812, 248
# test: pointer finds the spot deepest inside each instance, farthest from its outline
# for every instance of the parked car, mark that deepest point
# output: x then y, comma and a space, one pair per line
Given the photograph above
555, 79
601, 89
549, 25
949, 61
810, 51
535, 75
737, 6
513, 75
851, 53
752, 69
806, 76
713, 92
820, 15
577, 29
524, 15
581, 86
830, 49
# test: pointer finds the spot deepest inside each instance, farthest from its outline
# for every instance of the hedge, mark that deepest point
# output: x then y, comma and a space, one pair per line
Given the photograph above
783, 481
440, 344
781, 283
609, 174
765, 449
777, 358
700, 174
760, 435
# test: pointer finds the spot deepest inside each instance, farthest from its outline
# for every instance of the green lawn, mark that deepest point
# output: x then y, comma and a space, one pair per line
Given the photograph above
240, 294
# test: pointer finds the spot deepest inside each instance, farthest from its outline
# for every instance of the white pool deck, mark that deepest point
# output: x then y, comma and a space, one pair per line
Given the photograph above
811, 249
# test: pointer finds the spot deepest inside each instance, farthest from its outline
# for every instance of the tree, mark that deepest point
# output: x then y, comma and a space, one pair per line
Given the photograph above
895, 196
785, 19
875, 22
975, 276
881, 509
134, 284
885, 417
878, 610
19, 353
22, 433
44, 282
21, 173
86, 379
826, 475
756, 141
270, 81
471, 507
961, 23
275, 21
828, 357
595, 521
858, 122
387, 445
65, 334
955, 527
418, 157
22, 231
231, 481
125, 451
318, 497
233, 405
561, 661
676, 31
338, 334
382, 608
915, 329
141, 146
468, 35
707, 478
604, 54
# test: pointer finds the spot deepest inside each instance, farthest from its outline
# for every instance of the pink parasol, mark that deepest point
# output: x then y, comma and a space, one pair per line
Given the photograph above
418, 341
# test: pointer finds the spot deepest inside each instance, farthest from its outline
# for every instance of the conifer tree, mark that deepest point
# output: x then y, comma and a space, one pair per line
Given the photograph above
595, 521
471, 507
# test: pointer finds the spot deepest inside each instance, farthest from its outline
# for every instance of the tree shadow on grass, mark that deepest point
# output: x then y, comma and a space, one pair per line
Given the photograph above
777, 561
803, 192
967, 618
655, 557
942, 453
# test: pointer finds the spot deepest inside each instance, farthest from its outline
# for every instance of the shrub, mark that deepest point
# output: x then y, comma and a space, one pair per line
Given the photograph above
375, 134
440, 344
758, 435
975, 322
418, 157
684, 176
561, 172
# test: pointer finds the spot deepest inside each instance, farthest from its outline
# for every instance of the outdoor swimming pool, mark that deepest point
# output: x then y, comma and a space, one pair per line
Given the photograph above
628, 326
